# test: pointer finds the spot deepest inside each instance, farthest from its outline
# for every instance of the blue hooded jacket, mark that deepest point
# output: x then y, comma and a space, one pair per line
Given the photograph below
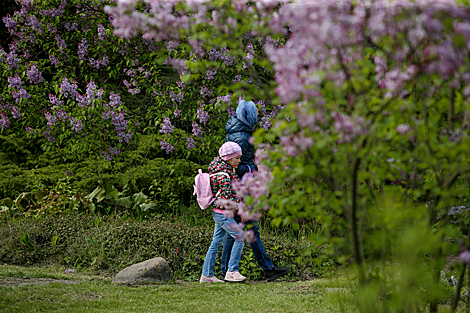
239, 129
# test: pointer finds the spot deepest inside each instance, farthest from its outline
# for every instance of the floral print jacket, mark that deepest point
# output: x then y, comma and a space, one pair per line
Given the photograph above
222, 182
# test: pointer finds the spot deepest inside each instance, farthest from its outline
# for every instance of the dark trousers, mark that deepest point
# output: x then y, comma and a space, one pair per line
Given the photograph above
257, 247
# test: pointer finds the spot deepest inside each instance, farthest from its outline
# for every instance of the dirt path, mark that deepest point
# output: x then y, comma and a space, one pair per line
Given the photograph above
19, 282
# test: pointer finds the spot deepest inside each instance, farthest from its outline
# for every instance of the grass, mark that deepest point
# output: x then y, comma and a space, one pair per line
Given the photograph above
96, 293
93, 293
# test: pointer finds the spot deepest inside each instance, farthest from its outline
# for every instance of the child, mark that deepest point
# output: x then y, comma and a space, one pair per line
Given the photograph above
239, 129
227, 161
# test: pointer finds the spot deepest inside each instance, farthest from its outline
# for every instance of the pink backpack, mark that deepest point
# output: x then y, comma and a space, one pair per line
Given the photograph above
203, 190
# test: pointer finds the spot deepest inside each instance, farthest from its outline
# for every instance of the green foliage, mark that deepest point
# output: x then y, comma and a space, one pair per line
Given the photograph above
111, 243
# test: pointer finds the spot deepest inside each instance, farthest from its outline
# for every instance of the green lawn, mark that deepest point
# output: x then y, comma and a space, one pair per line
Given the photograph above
86, 292
96, 294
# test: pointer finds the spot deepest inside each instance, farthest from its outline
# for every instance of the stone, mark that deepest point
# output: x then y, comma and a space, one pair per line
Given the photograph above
150, 271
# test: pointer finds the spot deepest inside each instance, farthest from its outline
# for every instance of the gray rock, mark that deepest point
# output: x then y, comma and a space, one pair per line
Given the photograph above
150, 271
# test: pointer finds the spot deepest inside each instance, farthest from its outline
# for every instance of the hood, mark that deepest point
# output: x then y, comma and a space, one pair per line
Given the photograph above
247, 113
234, 125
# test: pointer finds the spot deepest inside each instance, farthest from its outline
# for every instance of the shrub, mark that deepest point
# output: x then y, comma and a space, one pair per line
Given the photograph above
111, 243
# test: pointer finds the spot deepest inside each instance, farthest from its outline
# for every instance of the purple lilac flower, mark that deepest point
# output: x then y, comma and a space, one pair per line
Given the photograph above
237, 78
16, 112
205, 92
166, 146
68, 89
115, 99
202, 116
12, 60
82, 49
71, 26
101, 32
107, 156
211, 73
51, 119
177, 113
197, 131
166, 126
34, 75
15, 81
77, 125
9, 22
60, 42
4, 121
190, 143
231, 112
114, 151
21, 94
2, 55
265, 122
61, 114
55, 101
176, 98
48, 135
134, 91
55, 61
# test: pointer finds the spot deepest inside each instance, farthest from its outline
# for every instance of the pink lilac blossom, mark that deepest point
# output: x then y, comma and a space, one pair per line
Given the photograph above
177, 113
465, 257
295, 144
403, 129
348, 127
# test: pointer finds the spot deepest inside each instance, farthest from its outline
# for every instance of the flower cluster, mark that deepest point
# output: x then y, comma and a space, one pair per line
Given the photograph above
34, 75
166, 126
166, 146
197, 131
83, 49
68, 89
190, 143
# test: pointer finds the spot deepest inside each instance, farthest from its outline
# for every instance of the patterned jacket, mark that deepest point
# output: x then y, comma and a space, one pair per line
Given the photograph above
222, 182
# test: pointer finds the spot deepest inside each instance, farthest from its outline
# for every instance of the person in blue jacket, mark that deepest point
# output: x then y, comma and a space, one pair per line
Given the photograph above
239, 129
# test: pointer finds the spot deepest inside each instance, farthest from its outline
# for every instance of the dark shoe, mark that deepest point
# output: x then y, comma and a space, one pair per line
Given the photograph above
276, 272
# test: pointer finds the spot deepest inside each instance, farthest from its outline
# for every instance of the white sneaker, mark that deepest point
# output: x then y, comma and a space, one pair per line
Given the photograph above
234, 276
211, 279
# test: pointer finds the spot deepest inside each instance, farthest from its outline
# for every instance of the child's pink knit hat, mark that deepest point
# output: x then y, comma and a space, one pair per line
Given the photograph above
229, 150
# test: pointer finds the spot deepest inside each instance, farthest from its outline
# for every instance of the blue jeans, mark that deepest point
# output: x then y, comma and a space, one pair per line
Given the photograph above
220, 233
257, 247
